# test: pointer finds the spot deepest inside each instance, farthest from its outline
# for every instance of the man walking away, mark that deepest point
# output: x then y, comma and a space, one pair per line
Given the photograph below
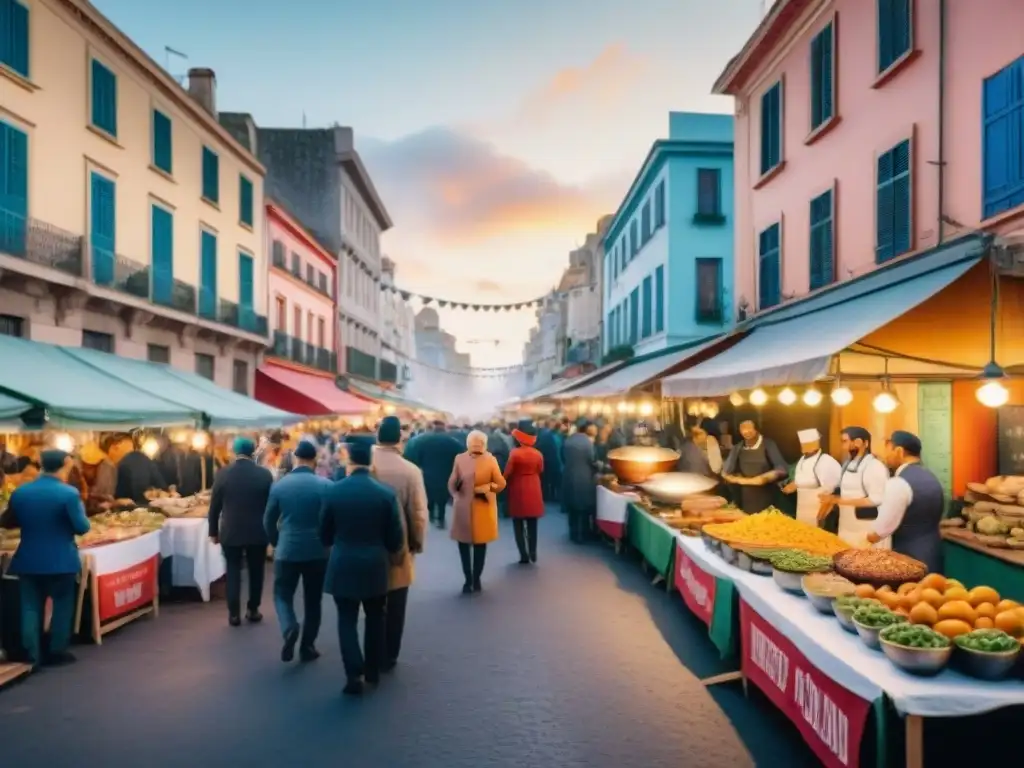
579, 491
361, 520
237, 503
292, 524
434, 453
406, 480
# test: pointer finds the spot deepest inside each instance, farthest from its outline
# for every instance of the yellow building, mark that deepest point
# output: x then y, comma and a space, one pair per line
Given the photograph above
130, 219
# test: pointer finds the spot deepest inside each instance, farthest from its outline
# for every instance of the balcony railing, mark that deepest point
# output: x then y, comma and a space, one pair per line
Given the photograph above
303, 353
41, 243
388, 371
358, 363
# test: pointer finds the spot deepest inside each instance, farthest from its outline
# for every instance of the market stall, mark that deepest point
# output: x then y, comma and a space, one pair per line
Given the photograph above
612, 513
122, 580
195, 561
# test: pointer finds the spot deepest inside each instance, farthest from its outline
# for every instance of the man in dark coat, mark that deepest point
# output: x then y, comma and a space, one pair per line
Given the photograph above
136, 472
434, 453
547, 444
237, 503
500, 447
579, 485
361, 520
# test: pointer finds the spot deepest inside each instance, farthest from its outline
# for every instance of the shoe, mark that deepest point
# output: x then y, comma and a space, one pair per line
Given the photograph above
291, 637
467, 588
524, 560
308, 653
234, 620
476, 586
372, 678
253, 616
389, 666
60, 659
533, 557
353, 687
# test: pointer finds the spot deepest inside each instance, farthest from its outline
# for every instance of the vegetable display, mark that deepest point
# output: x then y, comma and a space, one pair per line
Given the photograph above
987, 641
795, 561
854, 602
772, 529
914, 636
876, 617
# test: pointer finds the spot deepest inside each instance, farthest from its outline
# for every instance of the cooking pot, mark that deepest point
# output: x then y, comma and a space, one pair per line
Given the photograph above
673, 487
634, 464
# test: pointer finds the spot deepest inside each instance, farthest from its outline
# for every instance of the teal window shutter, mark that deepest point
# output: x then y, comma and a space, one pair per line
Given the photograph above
634, 315
14, 36
163, 155
104, 99
245, 212
771, 128
659, 205
822, 248
822, 77
769, 267
246, 292
1003, 140
102, 228
646, 221
208, 276
709, 191
162, 235
211, 175
895, 33
634, 234
659, 299
893, 219
13, 190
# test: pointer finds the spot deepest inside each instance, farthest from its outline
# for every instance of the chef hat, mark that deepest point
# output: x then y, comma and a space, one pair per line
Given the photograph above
806, 436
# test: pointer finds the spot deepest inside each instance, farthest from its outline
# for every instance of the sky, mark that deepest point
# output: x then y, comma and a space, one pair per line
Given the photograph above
497, 131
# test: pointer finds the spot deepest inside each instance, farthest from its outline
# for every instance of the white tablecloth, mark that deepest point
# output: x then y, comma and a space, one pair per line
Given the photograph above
197, 562
111, 558
844, 657
612, 506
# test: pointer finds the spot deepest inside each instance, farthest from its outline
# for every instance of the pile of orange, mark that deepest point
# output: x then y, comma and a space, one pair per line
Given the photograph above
948, 607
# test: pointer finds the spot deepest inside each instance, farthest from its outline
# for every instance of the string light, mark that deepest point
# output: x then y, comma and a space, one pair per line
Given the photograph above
200, 440
64, 442
151, 447
736, 399
812, 398
622, 407
758, 397
646, 409
842, 396
885, 402
787, 396
992, 394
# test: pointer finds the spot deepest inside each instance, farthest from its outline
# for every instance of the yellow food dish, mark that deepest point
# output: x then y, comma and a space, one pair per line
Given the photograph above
773, 529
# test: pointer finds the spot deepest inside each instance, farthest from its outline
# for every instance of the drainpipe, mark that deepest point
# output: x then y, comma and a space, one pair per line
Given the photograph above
942, 120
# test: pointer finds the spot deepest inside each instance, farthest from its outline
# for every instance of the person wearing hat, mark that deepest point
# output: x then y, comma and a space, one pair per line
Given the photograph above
434, 453
860, 489
912, 504
525, 496
755, 464
292, 525
361, 522
815, 471
50, 514
237, 503
406, 480
579, 481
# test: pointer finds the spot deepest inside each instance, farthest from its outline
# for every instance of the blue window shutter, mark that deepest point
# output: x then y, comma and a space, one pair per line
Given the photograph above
13, 189
659, 299
822, 244
162, 236
163, 155
893, 204
14, 36
771, 128
821, 77
104, 98
648, 316
1003, 140
634, 316
245, 213
208, 276
827, 73
894, 31
103, 228
246, 277
211, 176
770, 267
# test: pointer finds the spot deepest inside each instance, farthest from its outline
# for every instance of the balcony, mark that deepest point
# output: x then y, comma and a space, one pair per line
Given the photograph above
42, 244
300, 352
358, 363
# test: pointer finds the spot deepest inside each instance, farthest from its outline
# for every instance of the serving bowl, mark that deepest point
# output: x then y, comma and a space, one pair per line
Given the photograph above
789, 581
713, 544
823, 603
868, 634
730, 555
845, 616
673, 487
986, 665
635, 464
917, 661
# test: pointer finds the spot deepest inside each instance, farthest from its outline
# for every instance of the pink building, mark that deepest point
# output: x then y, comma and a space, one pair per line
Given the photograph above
868, 129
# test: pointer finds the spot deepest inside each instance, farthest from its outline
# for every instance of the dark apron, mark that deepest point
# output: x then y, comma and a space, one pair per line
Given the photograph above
752, 463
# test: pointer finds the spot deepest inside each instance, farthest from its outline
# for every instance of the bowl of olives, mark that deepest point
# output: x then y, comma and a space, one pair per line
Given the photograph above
870, 620
987, 654
844, 607
916, 648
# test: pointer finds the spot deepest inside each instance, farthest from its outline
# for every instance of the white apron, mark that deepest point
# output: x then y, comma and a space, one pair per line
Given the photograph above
807, 490
851, 530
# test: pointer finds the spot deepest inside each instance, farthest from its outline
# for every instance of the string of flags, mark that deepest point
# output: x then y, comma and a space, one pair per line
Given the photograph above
496, 372
477, 307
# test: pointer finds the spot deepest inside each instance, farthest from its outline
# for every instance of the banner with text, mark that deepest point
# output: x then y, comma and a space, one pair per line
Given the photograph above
124, 591
830, 718
695, 585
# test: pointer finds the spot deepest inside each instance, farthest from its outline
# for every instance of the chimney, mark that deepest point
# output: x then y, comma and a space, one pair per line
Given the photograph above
202, 86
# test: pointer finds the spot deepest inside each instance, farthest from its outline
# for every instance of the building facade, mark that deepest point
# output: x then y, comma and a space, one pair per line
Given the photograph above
398, 330
582, 285
130, 220
544, 351
870, 130
440, 376
668, 252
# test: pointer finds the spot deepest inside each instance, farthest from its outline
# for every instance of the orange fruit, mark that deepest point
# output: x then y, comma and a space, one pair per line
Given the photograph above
985, 610
907, 588
984, 622
1006, 605
909, 599
956, 593
933, 597
980, 595
954, 583
934, 581
1011, 622
890, 599
952, 627
958, 609
923, 613
864, 590
885, 588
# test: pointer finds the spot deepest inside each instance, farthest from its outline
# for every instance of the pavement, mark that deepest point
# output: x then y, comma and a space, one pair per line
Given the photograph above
577, 661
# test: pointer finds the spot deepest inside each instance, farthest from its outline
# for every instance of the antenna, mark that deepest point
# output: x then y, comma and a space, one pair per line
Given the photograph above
168, 52
303, 119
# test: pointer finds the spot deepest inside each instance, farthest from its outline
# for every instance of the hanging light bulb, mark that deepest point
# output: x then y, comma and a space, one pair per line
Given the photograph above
711, 410
758, 397
200, 440
630, 407
812, 398
622, 406
992, 393
151, 447
581, 406
736, 399
787, 396
64, 442
842, 396
646, 409
595, 407
885, 401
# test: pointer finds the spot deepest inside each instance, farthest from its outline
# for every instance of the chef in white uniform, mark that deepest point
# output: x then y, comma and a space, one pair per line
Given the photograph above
861, 490
816, 471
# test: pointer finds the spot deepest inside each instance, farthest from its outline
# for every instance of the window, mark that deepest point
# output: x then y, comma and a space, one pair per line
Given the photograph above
14, 37
624, 251
1003, 134
634, 236
157, 353
895, 34
659, 205
634, 315
162, 142
282, 314
101, 342
709, 193
296, 264
322, 282
211, 176
102, 227
240, 377
647, 327
893, 203
245, 201
208, 276
659, 299
246, 284
10, 325
161, 255
646, 221
709, 290
310, 272
297, 322
104, 99
769, 267
13, 189
277, 253
204, 365
321, 333
771, 128
822, 241
610, 330
823, 76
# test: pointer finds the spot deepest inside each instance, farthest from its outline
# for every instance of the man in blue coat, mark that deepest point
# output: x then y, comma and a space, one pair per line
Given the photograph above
361, 520
50, 515
292, 523
434, 453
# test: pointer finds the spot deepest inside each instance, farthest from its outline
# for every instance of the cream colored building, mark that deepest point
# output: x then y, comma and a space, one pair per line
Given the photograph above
397, 330
130, 220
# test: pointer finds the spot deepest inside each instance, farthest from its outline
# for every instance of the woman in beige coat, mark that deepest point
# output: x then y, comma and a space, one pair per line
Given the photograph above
475, 482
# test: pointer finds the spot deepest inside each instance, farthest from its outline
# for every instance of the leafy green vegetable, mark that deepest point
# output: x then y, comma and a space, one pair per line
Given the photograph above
987, 641
914, 636
876, 616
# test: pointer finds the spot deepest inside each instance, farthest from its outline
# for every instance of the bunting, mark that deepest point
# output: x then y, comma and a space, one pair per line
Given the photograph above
504, 307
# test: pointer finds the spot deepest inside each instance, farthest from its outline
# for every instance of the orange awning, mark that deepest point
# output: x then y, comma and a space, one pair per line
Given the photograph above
305, 393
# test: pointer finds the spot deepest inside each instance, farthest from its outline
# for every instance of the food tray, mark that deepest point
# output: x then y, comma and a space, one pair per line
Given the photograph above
914, 569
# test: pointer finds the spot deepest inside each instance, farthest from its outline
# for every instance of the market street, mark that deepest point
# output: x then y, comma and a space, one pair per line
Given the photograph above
573, 663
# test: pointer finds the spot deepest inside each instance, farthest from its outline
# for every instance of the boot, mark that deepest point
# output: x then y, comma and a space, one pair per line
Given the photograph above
518, 528
467, 569
479, 557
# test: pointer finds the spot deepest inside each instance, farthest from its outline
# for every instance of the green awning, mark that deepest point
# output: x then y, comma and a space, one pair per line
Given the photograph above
79, 396
11, 408
373, 392
220, 407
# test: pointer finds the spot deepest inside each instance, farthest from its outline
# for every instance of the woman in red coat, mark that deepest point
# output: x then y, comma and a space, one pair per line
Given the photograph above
525, 499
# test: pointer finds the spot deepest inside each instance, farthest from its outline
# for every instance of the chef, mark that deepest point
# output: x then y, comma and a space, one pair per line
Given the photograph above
755, 465
860, 490
815, 471
912, 504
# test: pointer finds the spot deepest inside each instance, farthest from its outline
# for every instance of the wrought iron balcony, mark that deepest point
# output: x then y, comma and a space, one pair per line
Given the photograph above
303, 353
326, 360
282, 341
358, 363
41, 243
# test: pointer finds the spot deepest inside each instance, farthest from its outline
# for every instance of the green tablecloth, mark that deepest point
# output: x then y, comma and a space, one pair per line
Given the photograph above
654, 540
725, 623
975, 568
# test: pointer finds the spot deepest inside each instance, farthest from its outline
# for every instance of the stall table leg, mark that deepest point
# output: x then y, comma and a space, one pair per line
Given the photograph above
915, 741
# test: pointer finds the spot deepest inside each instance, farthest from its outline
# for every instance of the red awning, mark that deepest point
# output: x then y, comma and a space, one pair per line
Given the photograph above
305, 393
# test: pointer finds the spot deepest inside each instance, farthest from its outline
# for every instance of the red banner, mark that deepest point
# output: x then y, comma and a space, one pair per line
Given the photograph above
695, 585
124, 591
830, 718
